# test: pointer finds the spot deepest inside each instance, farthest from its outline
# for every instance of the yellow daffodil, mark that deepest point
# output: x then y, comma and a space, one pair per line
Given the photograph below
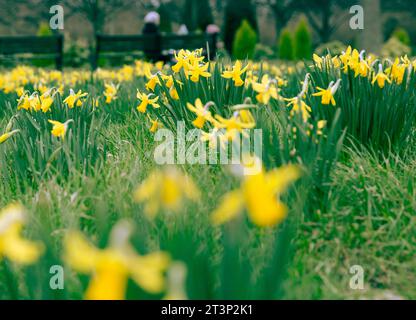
24, 102
236, 73
297, 103
198, 70
299, 107
320, 126
7, 135
381, 78
59, 129
201, 111
153, 79
46, 100
259, 194
110, 92
156, 125
12, 245
145, 101
113, 266
74, 99
166, 190
185, 59
328, 94
240, 120
266, 90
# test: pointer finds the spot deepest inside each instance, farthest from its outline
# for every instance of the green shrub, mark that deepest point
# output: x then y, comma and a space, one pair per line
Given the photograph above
303, 41
235, 13
286, 45
402, 35
44, 30
244, 42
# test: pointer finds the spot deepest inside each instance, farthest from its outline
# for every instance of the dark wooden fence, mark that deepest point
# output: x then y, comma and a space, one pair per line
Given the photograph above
41, 47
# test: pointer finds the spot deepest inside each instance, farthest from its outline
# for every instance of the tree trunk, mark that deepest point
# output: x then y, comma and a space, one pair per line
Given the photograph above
371, 38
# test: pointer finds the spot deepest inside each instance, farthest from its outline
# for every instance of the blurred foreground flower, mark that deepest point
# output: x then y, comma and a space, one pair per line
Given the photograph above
110, 92
259, 194
165, 189
12, 245
111, 267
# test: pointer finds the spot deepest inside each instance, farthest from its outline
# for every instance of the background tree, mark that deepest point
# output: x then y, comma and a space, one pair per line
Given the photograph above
371, 37
97, 12
303, 41
197, 14
286, 45
245, 41
283, 11
325, 16
235, 12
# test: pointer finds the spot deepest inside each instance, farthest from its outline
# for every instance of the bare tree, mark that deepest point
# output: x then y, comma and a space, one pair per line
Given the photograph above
371, 38
97, 12
283, 11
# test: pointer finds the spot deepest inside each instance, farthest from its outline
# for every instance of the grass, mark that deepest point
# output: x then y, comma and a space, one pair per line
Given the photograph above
354, 205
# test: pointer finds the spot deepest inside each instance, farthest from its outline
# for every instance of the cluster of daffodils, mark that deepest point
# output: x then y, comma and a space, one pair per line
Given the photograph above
368, 66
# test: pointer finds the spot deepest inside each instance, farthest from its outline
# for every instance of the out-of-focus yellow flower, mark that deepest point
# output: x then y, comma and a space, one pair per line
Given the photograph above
110, 92
201, 111
12, 245
320, 126
75, 99
328, 94
236, 73
165, 189
266, 90
59, 129
145, 101
259, 194
242, 119
5, 136
299, 107
111, 267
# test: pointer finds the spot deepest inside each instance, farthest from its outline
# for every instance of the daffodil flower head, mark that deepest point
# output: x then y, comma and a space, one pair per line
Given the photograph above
259, 195
59, 129
328, 94
266, 90
113, 266
235, 73
12, 245
146, 100
110, 92
166, 189
201, 112
381, 77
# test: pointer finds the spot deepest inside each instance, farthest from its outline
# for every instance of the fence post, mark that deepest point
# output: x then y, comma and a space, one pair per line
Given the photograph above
60, 56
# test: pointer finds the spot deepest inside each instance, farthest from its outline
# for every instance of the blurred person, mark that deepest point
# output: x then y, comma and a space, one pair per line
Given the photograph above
151, 28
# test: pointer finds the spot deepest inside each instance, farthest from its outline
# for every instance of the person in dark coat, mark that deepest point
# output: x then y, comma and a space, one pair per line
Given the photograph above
151, 28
